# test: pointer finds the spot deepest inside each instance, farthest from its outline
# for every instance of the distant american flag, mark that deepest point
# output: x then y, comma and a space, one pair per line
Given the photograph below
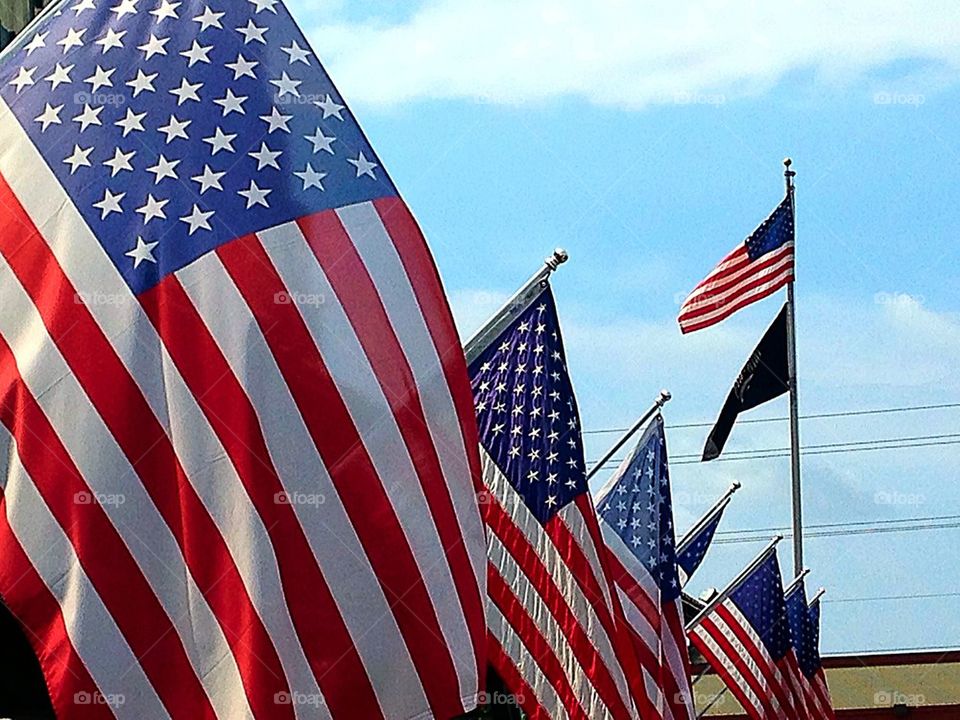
556, 632
757, 268
804, 627
693, 547
636, 517
237, 432
746, 640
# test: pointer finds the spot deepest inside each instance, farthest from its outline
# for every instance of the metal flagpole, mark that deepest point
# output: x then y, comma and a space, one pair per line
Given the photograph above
657, 406
714, 701
797, 490
515, 305
796, 581
692, 533
820, 593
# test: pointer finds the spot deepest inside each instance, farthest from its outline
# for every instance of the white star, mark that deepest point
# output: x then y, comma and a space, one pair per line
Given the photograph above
84, 5
197, 53
363, 166
287, 86
79, 158
120, 161
262, 5
243, 67
100, 78
109, 204
551, 501
221, 141
88, 117
133, 121
142, 82
50, 116
297, 53
143, 251
59, 76
251, 32
153, 209
73, 39
330, 108
312, 179
209, 179
37, 42
255, 195
175, 129
276, 121
209, 19
186, 91
231, 103
164, 169
266, 157
321, 142
154, 46
112, 39
166, 10
126, 7
23, 79
197, 220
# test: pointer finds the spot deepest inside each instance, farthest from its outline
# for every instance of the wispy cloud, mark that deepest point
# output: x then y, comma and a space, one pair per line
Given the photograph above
623, 53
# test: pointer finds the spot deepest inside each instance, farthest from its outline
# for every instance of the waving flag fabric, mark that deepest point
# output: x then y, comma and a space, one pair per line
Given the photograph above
746, 639
693, 548
755, 269
804, 626
556, 629
236, 425
636, 516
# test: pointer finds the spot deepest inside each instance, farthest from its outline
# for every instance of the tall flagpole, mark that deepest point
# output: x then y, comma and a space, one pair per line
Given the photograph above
792, 381
664, 398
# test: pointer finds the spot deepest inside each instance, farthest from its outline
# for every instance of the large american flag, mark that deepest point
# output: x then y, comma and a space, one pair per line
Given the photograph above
636, 518
805, 628
555, 626
755, 269
746, 640
238, 435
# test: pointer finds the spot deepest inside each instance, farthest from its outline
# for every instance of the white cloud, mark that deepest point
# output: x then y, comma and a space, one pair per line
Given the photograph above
626, 53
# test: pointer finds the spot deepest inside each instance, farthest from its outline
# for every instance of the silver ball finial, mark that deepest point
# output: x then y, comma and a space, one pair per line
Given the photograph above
665, 397
788, 162
736, 485
559, 257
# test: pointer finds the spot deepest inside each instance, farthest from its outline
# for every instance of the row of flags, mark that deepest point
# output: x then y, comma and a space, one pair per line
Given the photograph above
247, 469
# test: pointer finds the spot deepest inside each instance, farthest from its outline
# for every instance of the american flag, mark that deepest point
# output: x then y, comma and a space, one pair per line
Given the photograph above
755, 269
804, 626
693, 547
746, 640
556, 634
636, 518
238, 437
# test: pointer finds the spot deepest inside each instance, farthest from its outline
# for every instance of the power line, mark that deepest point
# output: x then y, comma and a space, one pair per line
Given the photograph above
885, 598
842, 532
848, 524
814, 416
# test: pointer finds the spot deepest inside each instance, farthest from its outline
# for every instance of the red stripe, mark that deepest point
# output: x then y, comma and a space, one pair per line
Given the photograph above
320, 629
358, 294
635, 591
31, 602
744, 674
673, 621
708, 298
514, 681
823, 692
741, 303
526, 556
737, 259
529, 633
117, 399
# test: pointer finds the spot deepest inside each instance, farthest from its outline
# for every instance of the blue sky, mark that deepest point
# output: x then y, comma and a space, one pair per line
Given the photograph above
647, 143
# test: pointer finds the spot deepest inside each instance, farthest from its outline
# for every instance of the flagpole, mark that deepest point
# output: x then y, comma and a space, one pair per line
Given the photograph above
797, 490
820, 593
708, 608
691, 534
516, 304
796, 581
657, 406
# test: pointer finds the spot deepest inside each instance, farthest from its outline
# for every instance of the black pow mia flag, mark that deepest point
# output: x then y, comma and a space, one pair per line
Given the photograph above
763, 378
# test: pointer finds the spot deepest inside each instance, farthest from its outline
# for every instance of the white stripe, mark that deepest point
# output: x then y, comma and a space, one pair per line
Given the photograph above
107, 472
738, 254
534, 606
749, 272
758, 643
783, 270
638, 621
727, 663
345, 566
92, 631
674, 657
357, 383
525, 664
379, 255
576, 524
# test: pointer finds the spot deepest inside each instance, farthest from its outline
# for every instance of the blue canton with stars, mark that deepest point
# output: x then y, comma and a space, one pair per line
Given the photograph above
692, 555
815, 625
639, 509
527, 412
774, 232
760, 599
801, 627
178, 126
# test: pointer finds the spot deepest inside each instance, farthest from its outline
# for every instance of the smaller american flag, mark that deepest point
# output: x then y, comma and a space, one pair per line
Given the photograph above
693, 547
755, 269
636, 517
804, 627
747, 641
